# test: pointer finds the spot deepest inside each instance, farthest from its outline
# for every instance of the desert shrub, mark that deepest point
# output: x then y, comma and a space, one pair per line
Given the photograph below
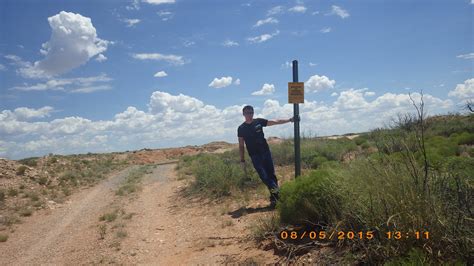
21, 170
12, 192
318, 161
314, 197
219, 175
32, 162
360, 140
465, 138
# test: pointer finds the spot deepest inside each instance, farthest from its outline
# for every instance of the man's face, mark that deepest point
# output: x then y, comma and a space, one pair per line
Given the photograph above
248, 114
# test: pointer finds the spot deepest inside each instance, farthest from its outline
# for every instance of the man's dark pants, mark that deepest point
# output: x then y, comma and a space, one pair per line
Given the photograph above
263, 164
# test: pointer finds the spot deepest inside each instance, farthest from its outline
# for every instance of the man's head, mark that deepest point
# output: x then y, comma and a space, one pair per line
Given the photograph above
248, 112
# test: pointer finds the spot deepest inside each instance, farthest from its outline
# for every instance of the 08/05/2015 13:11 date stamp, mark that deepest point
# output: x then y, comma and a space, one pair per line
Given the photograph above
351, 235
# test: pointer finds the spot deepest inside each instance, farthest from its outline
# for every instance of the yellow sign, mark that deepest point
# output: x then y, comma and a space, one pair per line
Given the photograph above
295, 92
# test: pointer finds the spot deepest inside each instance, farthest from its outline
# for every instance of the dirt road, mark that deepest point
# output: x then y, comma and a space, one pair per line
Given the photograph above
165, 228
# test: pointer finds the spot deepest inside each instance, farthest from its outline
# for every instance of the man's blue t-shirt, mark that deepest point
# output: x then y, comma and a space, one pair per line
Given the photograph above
253, 136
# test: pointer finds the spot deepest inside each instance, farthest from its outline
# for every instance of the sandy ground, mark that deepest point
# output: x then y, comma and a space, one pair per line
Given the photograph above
166, 228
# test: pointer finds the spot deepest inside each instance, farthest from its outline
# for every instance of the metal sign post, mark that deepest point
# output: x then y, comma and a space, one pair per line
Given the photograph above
296, 96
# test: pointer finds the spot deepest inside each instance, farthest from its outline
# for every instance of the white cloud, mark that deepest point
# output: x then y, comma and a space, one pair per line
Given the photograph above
269, 20
101, 58
338, 11
2, 67
221, 82
466, 56
68, 85
170, 58
134, 5
90, 89
24, 113
263, 37
160, 74
159, 2
165, 15
267, 89
131, 22
73, 42
369, 93
311, 64
464, 91
237, 82
230, 43
298, 9
287, 64
179, 120
319, 83
275, 10
326, 30
334, 94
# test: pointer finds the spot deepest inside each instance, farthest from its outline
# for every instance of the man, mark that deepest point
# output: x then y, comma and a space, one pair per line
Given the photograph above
251, 132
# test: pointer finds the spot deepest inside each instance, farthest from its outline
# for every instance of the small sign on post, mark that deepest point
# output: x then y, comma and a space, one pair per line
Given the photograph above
295, 92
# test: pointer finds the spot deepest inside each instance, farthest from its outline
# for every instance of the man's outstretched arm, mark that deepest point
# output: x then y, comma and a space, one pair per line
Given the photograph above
279, 122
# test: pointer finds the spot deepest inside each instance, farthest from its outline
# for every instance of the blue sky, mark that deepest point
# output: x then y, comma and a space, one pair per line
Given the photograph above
99, 76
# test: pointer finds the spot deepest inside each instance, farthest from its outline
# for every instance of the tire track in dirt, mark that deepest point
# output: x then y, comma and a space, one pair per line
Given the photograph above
66, 235
169, 229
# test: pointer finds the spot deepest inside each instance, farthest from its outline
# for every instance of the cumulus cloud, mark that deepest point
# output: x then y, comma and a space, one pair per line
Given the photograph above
170, 58
131, 22
263, 37
134, 5
82, 84
319, 83
275, 10
160, 74
221, 82
267, 89
73, 42
165, 15
230, 43
464, 91
179, 120
298, 9
101, 58
338, 11
466, 56
159, 2
287, 64
237, 82
326, 30
24, 113
269, 20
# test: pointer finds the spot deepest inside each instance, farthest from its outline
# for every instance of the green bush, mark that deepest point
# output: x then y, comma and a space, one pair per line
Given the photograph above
21, 170
218, 175
465, 138
32, 162
318, 161
360, 140
314, 197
